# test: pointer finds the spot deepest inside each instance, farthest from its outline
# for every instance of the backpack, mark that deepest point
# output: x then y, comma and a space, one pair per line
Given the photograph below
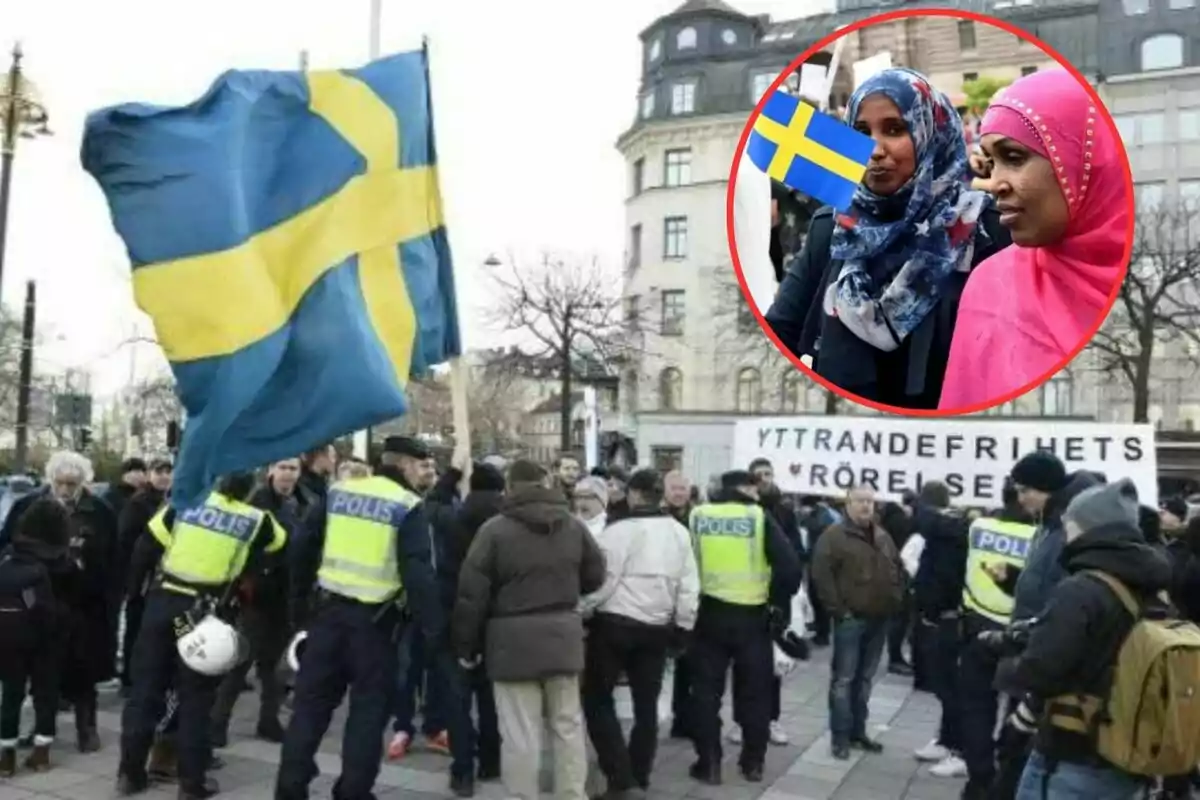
20, 630
1149, 723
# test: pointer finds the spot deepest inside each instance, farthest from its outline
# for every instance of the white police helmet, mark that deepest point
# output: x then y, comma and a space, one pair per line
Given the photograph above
212, 647
784, 663
296, 650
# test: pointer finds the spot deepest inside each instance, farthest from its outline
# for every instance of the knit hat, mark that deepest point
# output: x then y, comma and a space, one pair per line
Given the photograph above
1101, 506
1040, 470
594, 486
486, 478
1177, 506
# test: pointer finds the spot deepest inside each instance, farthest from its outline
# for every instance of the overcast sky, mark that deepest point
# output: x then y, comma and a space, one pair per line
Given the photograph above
527, 115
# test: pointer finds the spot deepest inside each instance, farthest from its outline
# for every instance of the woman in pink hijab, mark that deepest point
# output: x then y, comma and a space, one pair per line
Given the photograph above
1060, 184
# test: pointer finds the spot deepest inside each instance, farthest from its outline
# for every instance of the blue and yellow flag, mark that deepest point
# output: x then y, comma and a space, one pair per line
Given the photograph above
286, 237
808, 151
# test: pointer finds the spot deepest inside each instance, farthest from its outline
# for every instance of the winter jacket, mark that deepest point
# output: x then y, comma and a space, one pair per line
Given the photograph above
478, 508
910, 376
1185, 578
785, 517
1081, 628
858, 571
652, 575
268, 586
938, 585
1043, 566
520, 587
89, 585
131, 527
118, 495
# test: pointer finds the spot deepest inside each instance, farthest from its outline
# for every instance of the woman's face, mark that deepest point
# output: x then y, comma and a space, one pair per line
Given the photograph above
894, 160
1027, 193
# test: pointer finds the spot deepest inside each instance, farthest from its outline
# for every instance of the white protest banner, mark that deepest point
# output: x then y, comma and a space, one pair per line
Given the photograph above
827, 455
870, 66
752, 232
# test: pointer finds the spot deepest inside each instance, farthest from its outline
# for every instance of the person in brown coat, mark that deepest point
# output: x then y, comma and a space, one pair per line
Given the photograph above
518, 607
859, 577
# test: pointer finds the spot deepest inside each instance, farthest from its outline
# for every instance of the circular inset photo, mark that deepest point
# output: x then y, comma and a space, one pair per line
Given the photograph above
959, 244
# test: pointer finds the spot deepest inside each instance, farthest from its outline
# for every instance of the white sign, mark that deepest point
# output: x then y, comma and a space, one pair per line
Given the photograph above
828, 455
752, 232
871, 66
812, 85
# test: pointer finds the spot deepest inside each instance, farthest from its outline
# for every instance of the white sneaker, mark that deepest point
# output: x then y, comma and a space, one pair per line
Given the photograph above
931, 753
949, 767
735, 734
779, 736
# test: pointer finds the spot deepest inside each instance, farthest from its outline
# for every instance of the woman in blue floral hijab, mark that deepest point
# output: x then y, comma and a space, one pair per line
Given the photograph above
872, 296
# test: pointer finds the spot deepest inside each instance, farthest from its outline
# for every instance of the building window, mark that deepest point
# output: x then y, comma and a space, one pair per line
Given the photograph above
639, 176
672, 312
655, 49
729, 37
1135, 7
633, 312
749, 391
677, 170
1149, 196
1189, 124
760, 83
666, 459
683, 97
790, 394
1056, 397
1178, 4
1189, 195
686, 39
675, 237
1028, 71
670, 389
635, 246
970, 76
1141, 128
647, 105
1164, 51
966, 35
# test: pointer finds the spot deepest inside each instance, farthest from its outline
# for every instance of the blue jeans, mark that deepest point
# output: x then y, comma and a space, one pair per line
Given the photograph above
419, 675
857, 649
1075, 782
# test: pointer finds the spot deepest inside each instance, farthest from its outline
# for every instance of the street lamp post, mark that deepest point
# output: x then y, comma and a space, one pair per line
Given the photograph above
22, 115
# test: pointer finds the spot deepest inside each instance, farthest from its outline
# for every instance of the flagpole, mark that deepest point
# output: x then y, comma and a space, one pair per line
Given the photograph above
362, 441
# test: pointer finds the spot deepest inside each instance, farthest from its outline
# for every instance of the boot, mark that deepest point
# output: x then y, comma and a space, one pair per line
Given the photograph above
163, 764
87, 737
129, 785
209, 789
8, 762
38, 759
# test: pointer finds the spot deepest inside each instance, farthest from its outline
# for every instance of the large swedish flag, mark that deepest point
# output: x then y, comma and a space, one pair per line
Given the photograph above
286, 237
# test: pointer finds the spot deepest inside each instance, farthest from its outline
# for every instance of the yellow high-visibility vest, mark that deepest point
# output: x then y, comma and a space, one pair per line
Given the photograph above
360, 558
208, 545
993, 541
730, 540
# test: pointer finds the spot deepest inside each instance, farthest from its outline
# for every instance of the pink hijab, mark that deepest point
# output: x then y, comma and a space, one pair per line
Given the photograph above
1025, 310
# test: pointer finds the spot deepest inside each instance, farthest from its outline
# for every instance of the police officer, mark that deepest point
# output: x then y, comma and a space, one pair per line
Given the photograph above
994, 541
204, 550
748, 571
369, 553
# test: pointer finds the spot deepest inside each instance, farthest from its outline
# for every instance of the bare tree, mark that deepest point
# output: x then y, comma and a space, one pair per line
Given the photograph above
741, 343
494, 401
571, 311
1158, 306
430, 408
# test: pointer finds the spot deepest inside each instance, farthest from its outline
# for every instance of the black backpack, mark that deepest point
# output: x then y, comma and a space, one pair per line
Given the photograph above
20, 606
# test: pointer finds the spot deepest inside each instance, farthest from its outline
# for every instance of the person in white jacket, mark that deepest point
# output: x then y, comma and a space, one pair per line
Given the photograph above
590, 501
647, 604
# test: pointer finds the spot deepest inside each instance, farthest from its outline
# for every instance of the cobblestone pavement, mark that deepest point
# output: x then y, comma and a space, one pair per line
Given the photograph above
902, 719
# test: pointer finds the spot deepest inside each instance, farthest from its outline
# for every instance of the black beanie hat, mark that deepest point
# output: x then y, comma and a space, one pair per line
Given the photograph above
1040, 470
486, 478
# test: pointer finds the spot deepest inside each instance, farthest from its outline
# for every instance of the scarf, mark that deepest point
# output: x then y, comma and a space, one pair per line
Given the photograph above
898, 251
1027, 311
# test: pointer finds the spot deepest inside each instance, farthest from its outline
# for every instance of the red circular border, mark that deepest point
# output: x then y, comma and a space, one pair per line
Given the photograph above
822, 44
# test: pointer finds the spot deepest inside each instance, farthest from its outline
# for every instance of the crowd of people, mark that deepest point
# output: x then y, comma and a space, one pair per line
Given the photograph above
515, 600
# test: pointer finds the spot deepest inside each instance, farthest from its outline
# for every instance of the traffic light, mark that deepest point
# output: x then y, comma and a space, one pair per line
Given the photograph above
85, 438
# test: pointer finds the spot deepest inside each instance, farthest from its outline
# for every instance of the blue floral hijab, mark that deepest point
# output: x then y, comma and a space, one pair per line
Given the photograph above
898, 251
